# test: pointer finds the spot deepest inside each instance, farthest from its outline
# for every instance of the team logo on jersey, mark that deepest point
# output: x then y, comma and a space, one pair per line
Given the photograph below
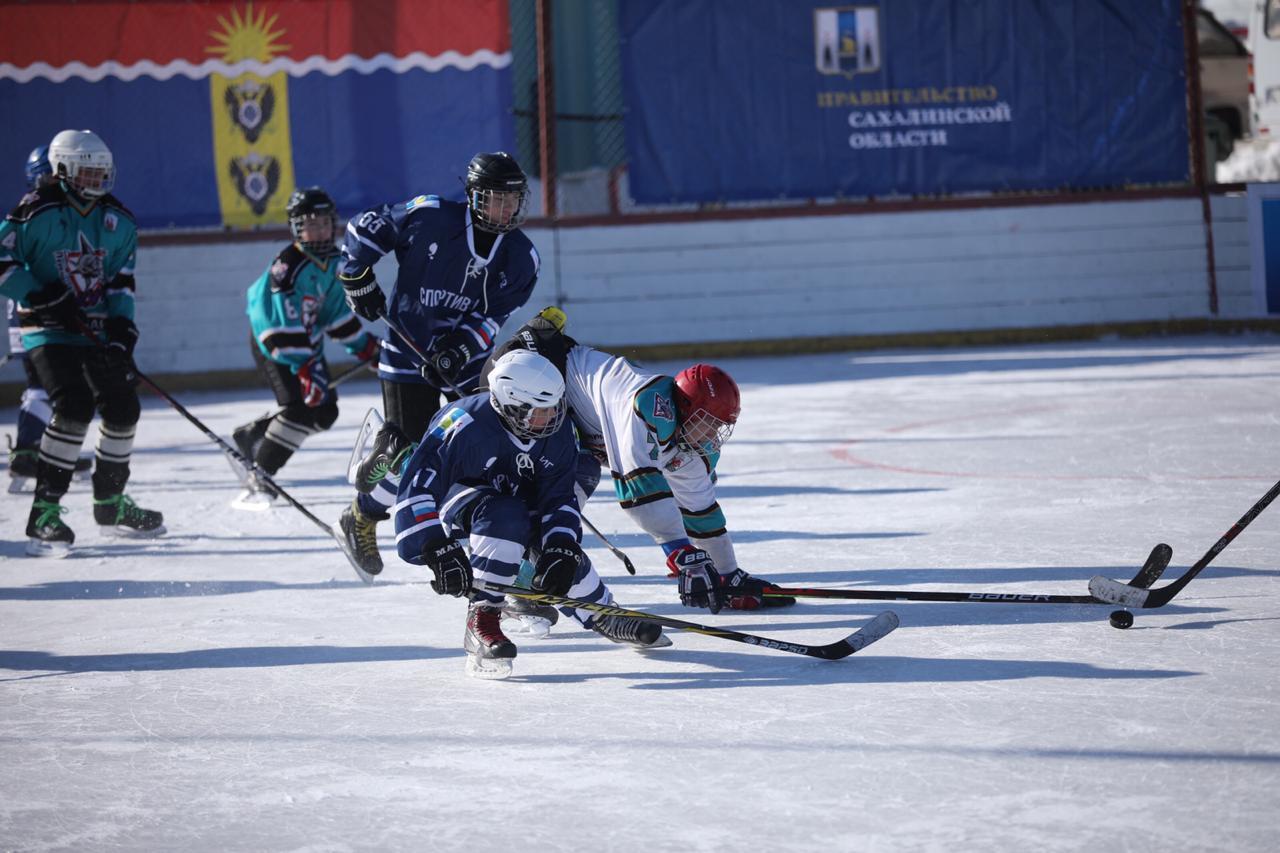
847, 40
81, 269
250, 104
502, 280
110, 222
454, 420
256, 178
524, 465
662, 408
310, 310
431, 251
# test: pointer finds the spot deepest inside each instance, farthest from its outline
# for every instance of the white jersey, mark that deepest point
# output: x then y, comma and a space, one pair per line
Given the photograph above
627, 419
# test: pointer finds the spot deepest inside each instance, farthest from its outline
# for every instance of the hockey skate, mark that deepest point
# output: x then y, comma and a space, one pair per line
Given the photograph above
489, 652
49, 534
391, 449
630, 631
527, 619
357, 534
118, 515
23, 463
257, 496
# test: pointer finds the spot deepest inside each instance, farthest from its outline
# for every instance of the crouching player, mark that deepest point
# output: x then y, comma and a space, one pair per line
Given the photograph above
497, 470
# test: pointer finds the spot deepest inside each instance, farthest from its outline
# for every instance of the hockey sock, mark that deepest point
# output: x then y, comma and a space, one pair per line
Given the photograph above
60, 444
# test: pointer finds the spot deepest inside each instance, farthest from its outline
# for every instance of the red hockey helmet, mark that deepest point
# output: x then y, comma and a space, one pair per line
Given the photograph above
708, 402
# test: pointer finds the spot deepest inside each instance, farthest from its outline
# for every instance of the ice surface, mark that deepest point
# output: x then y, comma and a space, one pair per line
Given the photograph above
233, 686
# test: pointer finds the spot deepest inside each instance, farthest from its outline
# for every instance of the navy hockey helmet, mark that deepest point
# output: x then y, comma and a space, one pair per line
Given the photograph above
38, 170
309, 206
497, 192
708, 403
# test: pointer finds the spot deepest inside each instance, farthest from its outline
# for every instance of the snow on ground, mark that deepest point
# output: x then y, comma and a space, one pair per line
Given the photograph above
234, 687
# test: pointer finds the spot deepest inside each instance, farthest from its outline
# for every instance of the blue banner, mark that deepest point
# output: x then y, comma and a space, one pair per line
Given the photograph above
766, 99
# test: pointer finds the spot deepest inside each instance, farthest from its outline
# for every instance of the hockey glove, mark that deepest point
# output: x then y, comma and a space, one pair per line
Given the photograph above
453, 351
363, 294
699, 580
557, 566
452, 570
368, 353
122, 337
743, 592
313, 376
56, 307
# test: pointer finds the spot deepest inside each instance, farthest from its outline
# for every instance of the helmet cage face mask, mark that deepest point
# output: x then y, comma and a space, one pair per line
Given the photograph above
704, 433
498, 211
83, 162
527, 392
327, 219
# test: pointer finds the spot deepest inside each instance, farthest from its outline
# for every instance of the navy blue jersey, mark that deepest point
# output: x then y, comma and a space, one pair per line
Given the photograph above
467, 452
442, 284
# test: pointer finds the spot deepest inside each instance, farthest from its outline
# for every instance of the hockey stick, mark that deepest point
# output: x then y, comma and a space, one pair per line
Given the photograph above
878, 628
352, 371
626, 561
1114, 592
1147, 575
248, 464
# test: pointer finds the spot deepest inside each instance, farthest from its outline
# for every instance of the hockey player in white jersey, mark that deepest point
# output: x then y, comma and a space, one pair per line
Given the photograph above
661, 438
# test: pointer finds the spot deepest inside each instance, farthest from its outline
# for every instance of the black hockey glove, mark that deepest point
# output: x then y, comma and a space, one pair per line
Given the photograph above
56, 307
557, 565
122, 337
449, 563
452, 352
364, 295
700, 584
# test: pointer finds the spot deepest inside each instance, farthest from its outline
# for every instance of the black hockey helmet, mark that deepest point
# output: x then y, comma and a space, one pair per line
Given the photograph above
310, 204
497, 192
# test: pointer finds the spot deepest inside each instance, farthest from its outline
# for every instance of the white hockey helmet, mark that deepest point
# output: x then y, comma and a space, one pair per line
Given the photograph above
527, 392
83, 161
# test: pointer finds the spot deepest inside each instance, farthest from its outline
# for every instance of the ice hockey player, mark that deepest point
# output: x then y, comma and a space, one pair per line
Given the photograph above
463, 269
497, 469
661, 438
292, 306
67, 255
33, 411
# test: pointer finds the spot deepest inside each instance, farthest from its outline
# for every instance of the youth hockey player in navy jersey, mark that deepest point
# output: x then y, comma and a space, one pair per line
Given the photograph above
497, 470
661, 438
463, 269
67, 254
292, 306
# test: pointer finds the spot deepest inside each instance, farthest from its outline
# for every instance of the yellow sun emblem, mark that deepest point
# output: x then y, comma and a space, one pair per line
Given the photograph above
248, 37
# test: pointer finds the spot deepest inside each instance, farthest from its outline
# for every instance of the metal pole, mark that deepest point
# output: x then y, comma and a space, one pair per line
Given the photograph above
546, 108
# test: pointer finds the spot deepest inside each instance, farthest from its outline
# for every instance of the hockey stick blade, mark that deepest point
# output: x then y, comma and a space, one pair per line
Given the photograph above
1114, 592
878, 628
617, 552
1147, 575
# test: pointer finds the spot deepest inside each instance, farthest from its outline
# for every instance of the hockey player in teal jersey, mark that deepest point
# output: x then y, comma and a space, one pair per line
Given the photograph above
292, 306
67, 254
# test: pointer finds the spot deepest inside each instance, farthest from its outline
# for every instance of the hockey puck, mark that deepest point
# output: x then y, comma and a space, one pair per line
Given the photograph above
1121, 619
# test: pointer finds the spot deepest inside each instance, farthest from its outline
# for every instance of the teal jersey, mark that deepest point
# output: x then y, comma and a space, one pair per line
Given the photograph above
295, 302
91, 247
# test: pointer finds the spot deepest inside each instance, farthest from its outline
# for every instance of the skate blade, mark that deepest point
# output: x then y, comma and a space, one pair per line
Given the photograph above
525, 626
662, 642
341, 538
52, 550
490, 669
19, 485
119, 531
251, 500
